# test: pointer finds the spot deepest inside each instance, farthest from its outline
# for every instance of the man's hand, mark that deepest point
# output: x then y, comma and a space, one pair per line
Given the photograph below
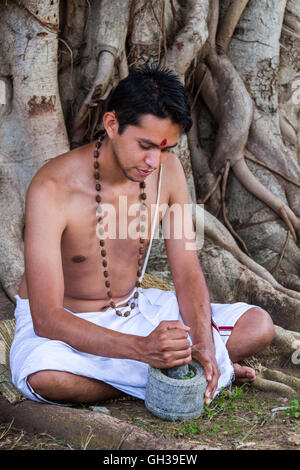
168, 345
207, 359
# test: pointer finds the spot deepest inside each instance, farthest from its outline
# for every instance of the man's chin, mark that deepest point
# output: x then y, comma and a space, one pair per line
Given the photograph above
136, 179
131, 178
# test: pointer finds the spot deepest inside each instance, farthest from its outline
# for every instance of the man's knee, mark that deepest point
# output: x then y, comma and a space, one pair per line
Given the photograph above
252, 333
263, 323
257, 325
43, 381
65, 387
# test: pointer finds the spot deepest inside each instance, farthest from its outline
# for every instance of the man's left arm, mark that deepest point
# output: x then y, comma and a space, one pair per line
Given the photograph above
189, 282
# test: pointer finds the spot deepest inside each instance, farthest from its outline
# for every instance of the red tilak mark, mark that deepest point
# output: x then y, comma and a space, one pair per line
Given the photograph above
163, 142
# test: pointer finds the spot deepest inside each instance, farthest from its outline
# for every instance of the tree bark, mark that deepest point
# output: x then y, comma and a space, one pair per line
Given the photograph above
239, 63
32, 126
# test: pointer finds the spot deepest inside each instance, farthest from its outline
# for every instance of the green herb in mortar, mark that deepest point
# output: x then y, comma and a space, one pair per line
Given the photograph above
189, 375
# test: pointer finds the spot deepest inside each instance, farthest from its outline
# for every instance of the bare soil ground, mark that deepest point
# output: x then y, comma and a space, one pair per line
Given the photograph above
241, 420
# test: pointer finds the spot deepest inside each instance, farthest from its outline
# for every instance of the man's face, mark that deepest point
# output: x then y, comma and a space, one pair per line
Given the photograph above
139, 150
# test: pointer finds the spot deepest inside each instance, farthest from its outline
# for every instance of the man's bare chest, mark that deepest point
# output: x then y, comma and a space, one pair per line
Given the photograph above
121, 220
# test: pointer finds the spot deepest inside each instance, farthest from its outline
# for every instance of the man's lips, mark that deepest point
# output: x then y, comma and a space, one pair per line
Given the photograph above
144, 172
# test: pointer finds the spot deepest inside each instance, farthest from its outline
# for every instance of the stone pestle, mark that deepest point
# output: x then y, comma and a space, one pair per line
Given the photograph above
177, 372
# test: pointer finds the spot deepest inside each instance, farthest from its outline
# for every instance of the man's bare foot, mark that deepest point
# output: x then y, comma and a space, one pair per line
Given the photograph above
243, 374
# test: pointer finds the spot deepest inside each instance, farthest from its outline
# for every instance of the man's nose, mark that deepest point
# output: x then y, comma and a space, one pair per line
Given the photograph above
152, 158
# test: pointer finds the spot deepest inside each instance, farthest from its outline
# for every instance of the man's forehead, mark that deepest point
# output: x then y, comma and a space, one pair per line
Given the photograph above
160, 130
162, 144
158, 137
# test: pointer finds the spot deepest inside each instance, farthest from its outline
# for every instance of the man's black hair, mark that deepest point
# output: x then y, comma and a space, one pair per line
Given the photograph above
150, 90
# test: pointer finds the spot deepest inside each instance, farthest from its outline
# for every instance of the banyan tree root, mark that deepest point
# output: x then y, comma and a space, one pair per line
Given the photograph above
274, 387
233, 135
216, 231
287, 344
253, 185
235, 114
203, 176
190, 38
229, 24
274, 381
286, 341
226, 220
278, 376
267, 147
109, 49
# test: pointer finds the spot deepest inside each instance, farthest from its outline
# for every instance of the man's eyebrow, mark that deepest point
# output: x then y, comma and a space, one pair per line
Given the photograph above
149, 142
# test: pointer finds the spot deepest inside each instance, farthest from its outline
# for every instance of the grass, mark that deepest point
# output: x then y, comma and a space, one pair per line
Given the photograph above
242, 418
294, 409
236, 419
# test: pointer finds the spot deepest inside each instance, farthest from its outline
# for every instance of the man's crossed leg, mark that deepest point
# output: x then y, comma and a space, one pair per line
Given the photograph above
253, 331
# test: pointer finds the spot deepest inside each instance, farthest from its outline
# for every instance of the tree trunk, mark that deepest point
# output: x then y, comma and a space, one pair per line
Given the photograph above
240, 64
32, 126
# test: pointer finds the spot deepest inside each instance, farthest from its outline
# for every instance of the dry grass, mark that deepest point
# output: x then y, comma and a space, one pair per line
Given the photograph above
12, 438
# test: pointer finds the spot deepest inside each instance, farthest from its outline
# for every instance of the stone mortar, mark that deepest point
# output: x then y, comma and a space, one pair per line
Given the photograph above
173, 399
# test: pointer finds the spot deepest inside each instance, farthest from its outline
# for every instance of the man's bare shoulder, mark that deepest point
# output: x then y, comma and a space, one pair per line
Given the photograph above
60, 174
173, 165
173, 172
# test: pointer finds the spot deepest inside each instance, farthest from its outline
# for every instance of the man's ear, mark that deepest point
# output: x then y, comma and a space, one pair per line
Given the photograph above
111, 124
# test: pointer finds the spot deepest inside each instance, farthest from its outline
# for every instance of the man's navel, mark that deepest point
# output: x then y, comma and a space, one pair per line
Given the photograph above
78, 259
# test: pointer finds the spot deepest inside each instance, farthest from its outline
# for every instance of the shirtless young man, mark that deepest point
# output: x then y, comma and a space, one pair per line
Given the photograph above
70, 345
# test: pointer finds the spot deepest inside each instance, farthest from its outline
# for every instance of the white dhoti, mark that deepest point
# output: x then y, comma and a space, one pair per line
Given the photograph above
31, 353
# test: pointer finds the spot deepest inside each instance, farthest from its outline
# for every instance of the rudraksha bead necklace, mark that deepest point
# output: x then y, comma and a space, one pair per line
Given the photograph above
100, 231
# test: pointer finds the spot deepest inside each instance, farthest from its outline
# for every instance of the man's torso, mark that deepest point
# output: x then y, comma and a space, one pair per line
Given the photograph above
84, 282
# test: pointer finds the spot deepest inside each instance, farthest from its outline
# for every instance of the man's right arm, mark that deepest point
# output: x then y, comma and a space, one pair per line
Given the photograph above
46, 221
